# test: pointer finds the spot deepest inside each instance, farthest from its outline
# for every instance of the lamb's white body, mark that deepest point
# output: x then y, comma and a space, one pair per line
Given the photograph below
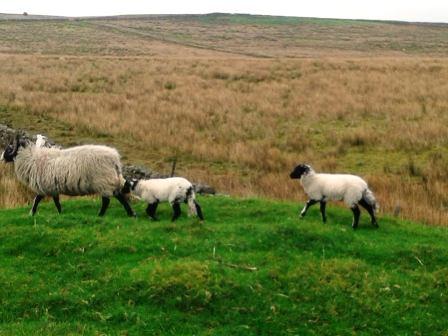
334, 187
321, 188
173, 189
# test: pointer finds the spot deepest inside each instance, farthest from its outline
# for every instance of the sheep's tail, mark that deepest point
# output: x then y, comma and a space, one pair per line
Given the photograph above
191, 196
368, 196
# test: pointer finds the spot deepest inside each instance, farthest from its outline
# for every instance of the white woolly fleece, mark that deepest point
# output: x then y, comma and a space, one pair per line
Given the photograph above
336, 187
173, 189
75, 171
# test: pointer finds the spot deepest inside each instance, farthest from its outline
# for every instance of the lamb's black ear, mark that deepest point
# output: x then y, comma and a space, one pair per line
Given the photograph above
134, 183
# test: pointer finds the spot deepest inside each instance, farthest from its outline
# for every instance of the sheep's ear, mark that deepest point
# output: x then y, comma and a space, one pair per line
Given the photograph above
16, 143
23, 142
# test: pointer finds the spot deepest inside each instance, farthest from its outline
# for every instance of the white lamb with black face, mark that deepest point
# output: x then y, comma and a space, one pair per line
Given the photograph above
174, 190
321, 188
76, 171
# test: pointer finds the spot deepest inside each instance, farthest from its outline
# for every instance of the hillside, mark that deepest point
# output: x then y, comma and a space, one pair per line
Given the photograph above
237, 35
241, 99
252, 268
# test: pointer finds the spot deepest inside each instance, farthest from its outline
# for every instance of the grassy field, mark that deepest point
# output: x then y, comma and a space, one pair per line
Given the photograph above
252, 268
239, 100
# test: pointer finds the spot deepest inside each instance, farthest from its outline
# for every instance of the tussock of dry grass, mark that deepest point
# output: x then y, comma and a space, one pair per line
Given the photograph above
12, 193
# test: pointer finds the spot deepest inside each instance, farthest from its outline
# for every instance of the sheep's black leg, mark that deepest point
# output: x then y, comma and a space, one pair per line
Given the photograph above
198, 210
176, 211
323, 205
36, 202
370, 210
356, 214
306, 207
104, 205
120, 197
57, 203
151, 210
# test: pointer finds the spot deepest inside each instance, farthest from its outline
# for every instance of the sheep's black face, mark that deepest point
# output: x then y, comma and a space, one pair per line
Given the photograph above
299, 171
10, 152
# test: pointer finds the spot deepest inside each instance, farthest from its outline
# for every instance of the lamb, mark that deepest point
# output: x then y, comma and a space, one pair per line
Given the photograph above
352, 189
174, 190
76, 171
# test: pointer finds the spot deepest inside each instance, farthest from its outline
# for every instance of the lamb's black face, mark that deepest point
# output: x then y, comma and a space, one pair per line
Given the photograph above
299, 171
128, 186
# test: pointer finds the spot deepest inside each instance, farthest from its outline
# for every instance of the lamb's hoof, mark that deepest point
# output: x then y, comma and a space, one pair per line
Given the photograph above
375, 225
132, 214
354, 227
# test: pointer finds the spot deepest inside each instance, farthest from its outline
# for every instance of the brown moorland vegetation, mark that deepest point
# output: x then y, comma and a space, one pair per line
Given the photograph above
236, 121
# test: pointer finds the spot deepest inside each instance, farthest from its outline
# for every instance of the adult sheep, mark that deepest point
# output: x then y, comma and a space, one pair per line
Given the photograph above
321, 188
76, 171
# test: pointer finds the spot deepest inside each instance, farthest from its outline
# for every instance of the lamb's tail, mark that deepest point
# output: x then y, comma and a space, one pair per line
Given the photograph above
368, 196
193, 206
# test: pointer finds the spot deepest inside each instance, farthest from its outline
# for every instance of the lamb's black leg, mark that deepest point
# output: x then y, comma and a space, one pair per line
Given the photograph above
198, 210
104, 205
176, 211
151, 210
306, 207
57, 203
36, 202
356, 214
323, 205
120, 197
370, 210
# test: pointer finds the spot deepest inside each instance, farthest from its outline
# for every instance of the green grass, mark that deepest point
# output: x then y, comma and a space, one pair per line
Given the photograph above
76, 273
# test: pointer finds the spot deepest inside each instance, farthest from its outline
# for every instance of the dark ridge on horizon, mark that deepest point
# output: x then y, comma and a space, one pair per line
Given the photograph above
216, 15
